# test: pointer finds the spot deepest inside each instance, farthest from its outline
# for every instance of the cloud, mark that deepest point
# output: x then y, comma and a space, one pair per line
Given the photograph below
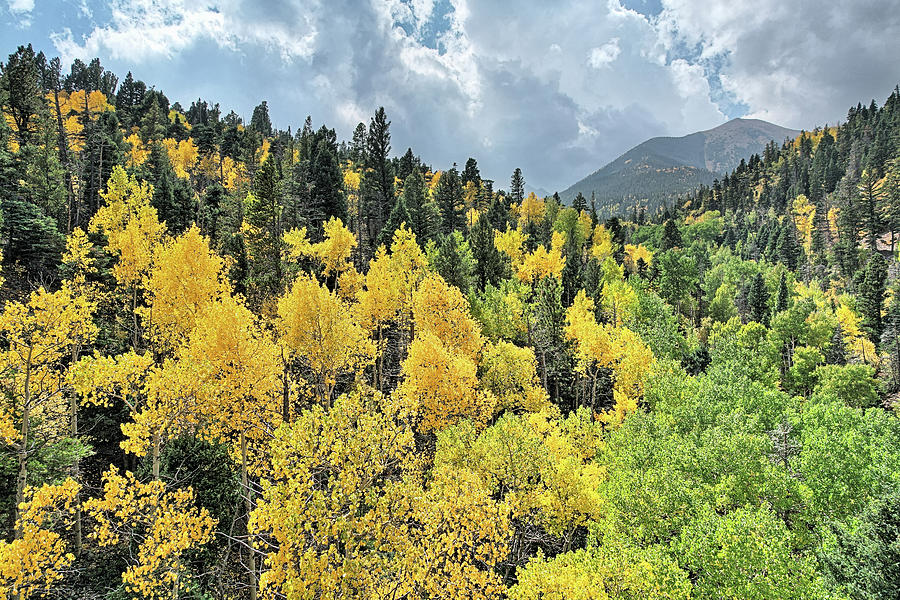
21, 6
799, 64
142, 30
605, 55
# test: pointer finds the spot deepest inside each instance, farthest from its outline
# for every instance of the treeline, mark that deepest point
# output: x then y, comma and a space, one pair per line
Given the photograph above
239, 362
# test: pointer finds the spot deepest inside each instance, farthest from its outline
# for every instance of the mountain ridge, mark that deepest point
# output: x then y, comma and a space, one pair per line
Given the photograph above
663, 167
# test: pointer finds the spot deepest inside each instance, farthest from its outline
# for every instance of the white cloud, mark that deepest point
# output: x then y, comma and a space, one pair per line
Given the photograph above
141, 30
605, 55
800, 63
21, 7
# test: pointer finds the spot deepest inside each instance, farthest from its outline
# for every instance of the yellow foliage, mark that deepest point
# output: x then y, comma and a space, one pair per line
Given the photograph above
441, 310
186, 276
510, 373
333, 252
618, 300
390, 282
855, 339
634, 253
318, 327
605, 346
531, 210
512, 243
138, 152
440, 385
804, 215
164, 525
378, 529
37, 338
601, 244
544, 263
37, 557
130, 224
183, 155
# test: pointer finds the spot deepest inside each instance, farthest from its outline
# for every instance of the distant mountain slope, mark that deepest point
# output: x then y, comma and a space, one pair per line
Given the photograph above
664, 167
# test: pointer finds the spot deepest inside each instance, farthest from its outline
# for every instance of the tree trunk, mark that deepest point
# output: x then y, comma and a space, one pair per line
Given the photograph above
248, 505
156, 443
22, 448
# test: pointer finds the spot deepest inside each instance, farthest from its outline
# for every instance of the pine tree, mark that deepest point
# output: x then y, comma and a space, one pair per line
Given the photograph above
490, 268
517, 186
471, 173
260, 121
758, 299
449, 198
262, 213
378, 180
872, 294
326, 193
671, 236
781, 302
579, 203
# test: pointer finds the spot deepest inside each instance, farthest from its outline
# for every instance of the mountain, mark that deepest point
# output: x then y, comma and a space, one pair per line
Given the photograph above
664, 167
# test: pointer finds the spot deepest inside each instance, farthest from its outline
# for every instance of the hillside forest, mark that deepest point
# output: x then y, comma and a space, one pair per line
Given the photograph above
244, 362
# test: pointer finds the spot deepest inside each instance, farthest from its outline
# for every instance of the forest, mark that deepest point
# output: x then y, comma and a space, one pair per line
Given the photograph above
243, 362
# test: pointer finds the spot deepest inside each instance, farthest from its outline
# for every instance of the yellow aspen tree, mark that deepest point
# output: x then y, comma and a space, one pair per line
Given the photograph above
511, 243
353, 514
133, 231
37, 339
618, 301
440, 386
79, 264
538, 463
544, 263
185, 278
440, 383
804, 216
441, 310
510, 374
635, 253
183, 156
458, 535
601, 244
604, 346
235, 368
335, 540
318, 327
163, 524
531, 210
35, 560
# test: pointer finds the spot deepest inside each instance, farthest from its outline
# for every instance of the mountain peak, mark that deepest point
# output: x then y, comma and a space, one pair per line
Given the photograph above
662, 168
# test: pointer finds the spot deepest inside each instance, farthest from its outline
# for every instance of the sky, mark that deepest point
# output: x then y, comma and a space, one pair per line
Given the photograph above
555, 87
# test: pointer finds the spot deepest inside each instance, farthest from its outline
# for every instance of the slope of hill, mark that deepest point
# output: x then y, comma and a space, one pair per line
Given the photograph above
664, 167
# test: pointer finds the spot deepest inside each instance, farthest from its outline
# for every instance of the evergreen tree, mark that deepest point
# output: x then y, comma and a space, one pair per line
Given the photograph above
471, 173
264, 241
758, 299
872, 293
787, 248
423, 216
781, 303
450, 201
378, 180
837, 349
671, 236
326, 179
260, 121
579, 203
173, 197
517, 186
454, 262
490, 268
